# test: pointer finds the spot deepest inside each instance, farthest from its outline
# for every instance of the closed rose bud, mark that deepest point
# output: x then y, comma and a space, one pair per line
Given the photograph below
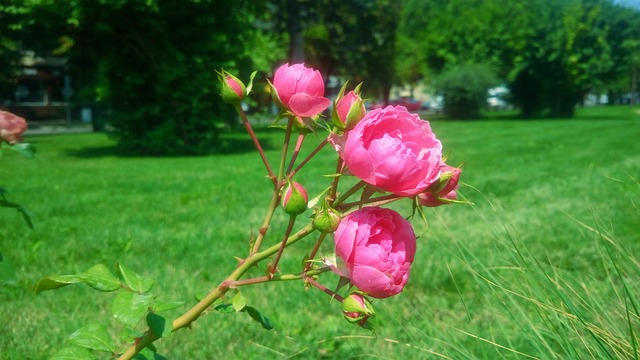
326, 220
294, 199
233, 90
348, 109
11, 127
444, 190
357, 309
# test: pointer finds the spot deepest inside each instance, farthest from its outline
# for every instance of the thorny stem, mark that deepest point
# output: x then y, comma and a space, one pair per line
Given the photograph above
377, 201
283, 244
254, 138
324, 289
350, 192
194, 313
275, 198
286, 277
306, 160
285, 149
313, 253
334, 183
296, 151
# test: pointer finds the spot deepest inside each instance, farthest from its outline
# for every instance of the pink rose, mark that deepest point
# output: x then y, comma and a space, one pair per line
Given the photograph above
300, 89
11, 127
377, 246
393, 150
442, 191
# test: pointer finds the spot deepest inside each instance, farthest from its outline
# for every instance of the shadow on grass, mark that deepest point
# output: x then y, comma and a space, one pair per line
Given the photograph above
232, 142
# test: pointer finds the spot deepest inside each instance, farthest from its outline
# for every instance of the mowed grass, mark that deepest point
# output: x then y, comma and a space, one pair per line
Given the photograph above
541, 266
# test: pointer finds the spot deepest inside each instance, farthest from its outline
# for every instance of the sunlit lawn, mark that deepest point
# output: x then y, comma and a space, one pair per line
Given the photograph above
537, 267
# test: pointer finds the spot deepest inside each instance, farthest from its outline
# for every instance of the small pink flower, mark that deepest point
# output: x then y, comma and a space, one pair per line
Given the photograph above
393, 150
377, 246
11, 127
300, 90
443, 191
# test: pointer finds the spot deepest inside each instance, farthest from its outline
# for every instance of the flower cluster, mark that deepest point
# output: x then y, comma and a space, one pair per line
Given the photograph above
391, 151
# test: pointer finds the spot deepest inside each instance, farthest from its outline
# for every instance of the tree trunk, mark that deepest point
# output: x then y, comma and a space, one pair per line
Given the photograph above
294, 28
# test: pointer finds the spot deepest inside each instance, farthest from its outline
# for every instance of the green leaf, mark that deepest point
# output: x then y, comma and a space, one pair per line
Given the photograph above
250, 86
257, 316
24, 149
239, 301
7, 271
73, 353
97, 277
100, 278
57, 281
93, 336
159, 325
134, 281
129, 308
161, 306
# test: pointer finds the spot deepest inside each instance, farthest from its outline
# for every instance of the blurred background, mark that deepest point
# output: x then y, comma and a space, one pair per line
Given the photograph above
146, 68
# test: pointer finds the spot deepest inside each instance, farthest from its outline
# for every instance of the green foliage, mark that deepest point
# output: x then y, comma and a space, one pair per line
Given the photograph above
464, 89
131, 304
550, 53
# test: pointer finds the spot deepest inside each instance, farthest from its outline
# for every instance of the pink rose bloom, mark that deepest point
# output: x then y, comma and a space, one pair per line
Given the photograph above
300, 89
11, 127
377, 246
393, 150
442, 190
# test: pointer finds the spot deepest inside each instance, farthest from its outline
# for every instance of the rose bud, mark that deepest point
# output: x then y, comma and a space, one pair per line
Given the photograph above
357, 309
11, 127
300, 90
377, 246
294, 199
326, 220
393, 150
443, 191
348, 109
233, 90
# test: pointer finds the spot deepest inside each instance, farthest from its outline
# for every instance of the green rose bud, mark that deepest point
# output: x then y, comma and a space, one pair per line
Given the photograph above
233, 90
326, 220
357, 309
294, 198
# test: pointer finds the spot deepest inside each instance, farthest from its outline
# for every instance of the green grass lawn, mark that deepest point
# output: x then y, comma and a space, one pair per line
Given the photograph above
541, 266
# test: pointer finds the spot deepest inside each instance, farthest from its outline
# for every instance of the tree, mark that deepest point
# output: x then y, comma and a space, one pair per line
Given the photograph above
153, 63
550, 53
353, 39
